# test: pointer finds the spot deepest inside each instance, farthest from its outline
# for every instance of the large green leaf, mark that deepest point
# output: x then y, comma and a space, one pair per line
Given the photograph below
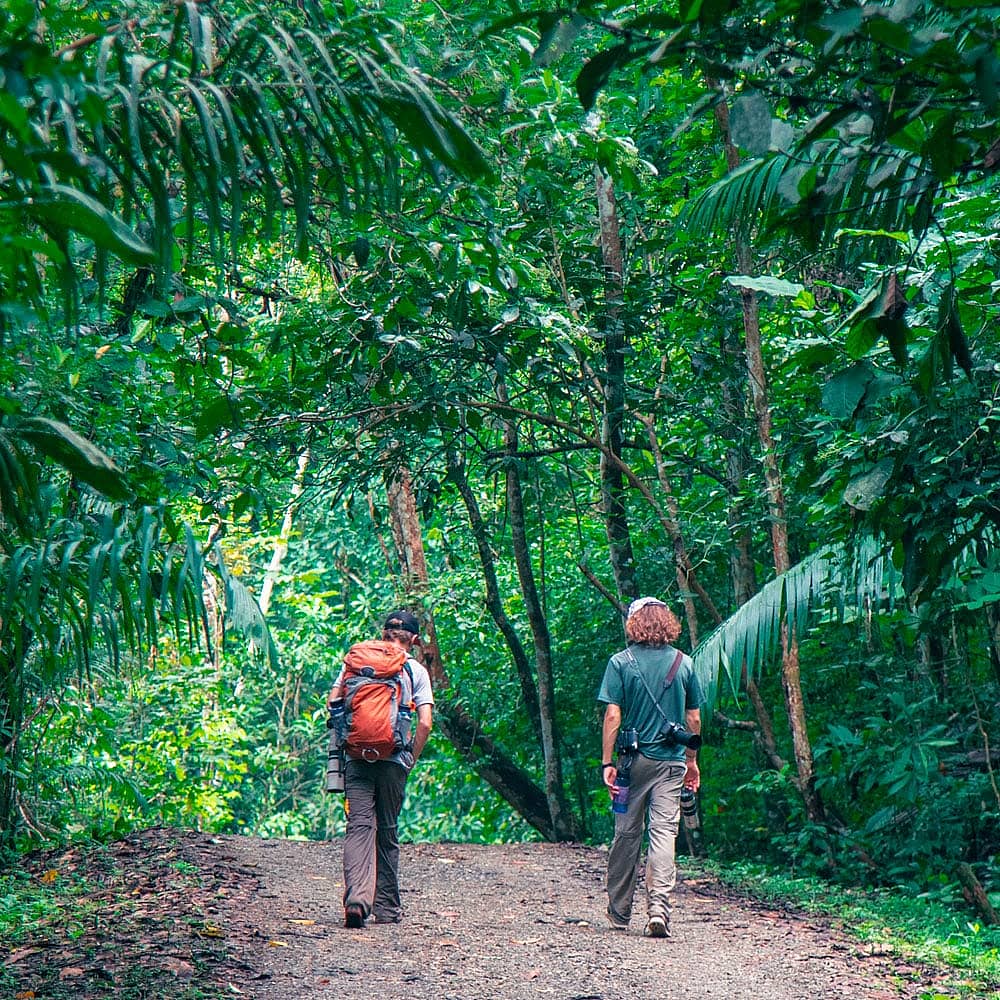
62, 208
830, 579
76, 454
843, 393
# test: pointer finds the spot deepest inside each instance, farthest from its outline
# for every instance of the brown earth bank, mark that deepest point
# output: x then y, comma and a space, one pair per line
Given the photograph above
182, 916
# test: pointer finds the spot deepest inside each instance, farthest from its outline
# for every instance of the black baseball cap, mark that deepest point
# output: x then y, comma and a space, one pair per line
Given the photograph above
405, 620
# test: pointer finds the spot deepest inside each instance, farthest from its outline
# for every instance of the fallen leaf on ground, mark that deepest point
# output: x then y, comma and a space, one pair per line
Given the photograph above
16, 956
276, 944
180, 968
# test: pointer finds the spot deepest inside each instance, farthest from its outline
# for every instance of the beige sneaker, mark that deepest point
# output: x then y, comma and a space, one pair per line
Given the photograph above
657, 927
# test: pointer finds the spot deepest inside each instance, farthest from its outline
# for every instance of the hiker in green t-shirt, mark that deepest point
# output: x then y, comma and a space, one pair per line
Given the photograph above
653, 699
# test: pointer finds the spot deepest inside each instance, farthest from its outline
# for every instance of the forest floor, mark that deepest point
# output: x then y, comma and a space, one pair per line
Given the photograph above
182, 916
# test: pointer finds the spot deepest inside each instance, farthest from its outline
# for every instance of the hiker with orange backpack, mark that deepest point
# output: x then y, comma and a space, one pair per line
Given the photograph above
374, 700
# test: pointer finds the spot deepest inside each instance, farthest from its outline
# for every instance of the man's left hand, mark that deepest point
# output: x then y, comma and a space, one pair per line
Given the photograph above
692, 779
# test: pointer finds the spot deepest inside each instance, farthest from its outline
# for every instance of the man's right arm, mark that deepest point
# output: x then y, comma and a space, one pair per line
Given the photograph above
425, 715
609, 736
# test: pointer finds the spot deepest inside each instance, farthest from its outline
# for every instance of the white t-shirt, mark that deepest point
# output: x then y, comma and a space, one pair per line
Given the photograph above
422, 693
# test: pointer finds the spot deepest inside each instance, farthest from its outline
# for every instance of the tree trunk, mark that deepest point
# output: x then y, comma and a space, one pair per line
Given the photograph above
687, 581
465, 733
14, 650
563, 821
11, 714
281, 545
791, 682
612, 434
494, 603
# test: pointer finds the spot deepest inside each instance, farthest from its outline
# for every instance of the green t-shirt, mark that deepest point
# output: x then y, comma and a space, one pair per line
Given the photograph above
621, 686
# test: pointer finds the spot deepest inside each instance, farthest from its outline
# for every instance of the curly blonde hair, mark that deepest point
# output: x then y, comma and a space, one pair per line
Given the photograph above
653, 625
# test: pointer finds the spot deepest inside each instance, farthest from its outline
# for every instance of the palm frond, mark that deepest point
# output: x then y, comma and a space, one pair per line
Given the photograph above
244, 612
108, 566
818, 192
229, 126
823, 580
746, 193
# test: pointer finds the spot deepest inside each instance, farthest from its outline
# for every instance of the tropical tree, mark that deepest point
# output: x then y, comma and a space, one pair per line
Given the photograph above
143, 153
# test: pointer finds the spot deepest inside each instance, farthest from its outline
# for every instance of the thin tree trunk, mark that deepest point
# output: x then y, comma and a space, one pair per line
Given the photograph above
293, 680
791, 680
11, 720
687, 581
494, 603
281, 545
563, 821
612, 435
464, 732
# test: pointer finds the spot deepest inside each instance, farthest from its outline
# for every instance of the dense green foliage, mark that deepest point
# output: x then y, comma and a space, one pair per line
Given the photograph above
250, 279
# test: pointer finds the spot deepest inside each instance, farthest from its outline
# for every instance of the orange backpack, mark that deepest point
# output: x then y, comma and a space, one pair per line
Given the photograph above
378, 700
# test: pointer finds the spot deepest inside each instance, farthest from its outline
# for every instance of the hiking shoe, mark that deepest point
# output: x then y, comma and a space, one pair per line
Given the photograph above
353, 916
388, 918
657, 927
615, 922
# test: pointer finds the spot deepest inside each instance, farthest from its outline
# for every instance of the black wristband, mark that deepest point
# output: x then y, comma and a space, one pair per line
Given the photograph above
604, 767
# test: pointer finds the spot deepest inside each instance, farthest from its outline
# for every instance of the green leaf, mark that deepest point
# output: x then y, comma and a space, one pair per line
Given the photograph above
750, 123
769, 286
221, 412
68, 209
862, 491
75, 454
843, 393
597, 71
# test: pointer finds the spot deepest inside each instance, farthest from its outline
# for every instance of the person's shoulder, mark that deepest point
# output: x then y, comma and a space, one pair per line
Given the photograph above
415, 665
421, 675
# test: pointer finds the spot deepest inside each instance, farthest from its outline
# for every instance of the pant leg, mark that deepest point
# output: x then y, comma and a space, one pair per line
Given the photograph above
623, 857
391, 785
359, 839
664, 815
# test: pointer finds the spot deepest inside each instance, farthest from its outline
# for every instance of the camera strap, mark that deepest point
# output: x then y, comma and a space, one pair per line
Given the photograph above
672, 673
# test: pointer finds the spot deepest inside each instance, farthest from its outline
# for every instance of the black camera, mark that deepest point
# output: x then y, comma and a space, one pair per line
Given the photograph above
676, 735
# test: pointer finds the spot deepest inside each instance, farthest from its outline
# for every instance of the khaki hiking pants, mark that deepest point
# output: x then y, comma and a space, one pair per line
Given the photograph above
656, 791
371, 844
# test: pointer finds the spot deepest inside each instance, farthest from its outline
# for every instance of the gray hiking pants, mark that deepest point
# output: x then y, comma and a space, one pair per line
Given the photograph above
371, 845
656, 791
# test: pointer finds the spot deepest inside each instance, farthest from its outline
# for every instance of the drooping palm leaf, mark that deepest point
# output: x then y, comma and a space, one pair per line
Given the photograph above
102, 579
224, 125
833, 580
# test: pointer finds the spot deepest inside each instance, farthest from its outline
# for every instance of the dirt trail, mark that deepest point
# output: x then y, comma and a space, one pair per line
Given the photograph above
521, 921
188, 916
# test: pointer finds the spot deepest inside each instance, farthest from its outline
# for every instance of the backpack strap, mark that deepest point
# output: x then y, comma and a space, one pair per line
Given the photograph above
409, 673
